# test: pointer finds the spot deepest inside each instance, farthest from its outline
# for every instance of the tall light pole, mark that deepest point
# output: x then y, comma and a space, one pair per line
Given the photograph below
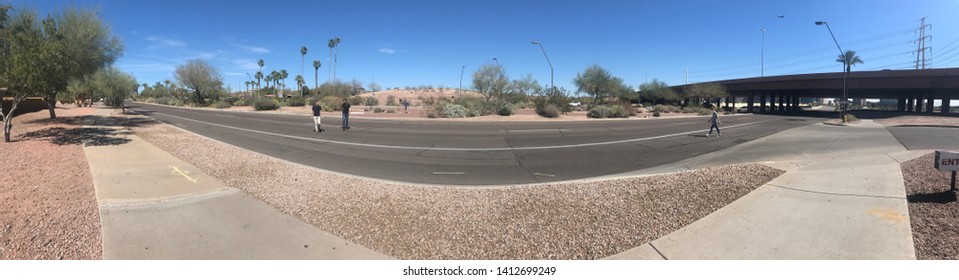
497, 61
461, 78
762, 55
845, 72
550, 67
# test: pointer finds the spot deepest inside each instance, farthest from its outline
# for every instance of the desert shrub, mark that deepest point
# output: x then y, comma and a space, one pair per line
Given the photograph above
476, 105
176, 102
296, 101
704, 111
548, 110
243, 101
431, 114
851, 117
506, 109
390, 111
356, 100
378, 110
221, 104
599, 112
449, 110
610, 111
666, 109
266, 104
391, 101
150, 100
165, 100
372, 101
656, 114
330, 103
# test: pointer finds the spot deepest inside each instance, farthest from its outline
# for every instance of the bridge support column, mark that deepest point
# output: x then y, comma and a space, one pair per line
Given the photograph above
930, 103
750, 101
762, 102
909, 104
901, 105
945, 104
782, 106
795, 103
918, 108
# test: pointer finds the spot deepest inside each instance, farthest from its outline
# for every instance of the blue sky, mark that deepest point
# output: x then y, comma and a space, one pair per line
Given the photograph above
426, 42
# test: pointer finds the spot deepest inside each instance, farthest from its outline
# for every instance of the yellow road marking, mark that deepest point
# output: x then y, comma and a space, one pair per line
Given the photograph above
182, 173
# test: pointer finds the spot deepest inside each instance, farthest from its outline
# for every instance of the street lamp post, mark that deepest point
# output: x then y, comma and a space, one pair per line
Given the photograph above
845, 76
550, 66
461, 78
762, 55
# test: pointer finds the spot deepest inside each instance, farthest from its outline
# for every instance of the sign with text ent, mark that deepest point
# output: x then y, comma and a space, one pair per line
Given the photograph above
947, 161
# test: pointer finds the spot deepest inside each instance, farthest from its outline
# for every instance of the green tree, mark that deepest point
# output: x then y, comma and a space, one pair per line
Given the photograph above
707, 91
490, 81
521, 89
200, 77
80, 44
81, 91
282, 77
599, 83
316, 73
21, 70
331, 43
658, 92
113, 86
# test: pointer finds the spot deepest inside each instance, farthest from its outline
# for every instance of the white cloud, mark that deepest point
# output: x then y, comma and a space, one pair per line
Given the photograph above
387, 50
164, 41
252, 49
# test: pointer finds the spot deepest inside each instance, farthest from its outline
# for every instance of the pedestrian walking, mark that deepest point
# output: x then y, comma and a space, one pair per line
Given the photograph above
715, 122
316, 117
346, 114
406, 106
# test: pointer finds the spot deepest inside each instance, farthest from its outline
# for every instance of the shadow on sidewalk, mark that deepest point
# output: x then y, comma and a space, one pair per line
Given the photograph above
939, 197
108, 131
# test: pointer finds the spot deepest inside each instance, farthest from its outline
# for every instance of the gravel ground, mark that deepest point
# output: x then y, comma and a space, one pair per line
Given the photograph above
933, 210
550, 221
920, 120
48, 208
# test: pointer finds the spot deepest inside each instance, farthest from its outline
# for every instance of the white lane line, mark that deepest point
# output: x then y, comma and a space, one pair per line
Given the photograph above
449, 173
460, 149
544, 175
537, 130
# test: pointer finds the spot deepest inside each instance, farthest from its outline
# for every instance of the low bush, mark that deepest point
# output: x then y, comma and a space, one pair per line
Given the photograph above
164, 100
548, 110
331, 103
296, 101
390, 111
452, 111
610, 111
371, 101
391, 101
506, 109
221, 104
150, 100
656, 114
266, 104
176, 102
378, 110
666, 109
356, 100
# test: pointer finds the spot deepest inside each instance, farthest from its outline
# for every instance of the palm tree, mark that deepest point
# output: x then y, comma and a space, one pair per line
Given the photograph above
316, 73
851, 57
274, 76
260, 63
300, 83
283, 74
336, 50
258, 76
331, 44
302, 56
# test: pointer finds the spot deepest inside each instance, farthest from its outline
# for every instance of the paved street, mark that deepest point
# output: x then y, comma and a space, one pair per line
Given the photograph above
473, 153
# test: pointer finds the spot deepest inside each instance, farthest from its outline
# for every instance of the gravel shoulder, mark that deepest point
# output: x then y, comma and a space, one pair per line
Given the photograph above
920, 121
933, 210
48, 207
549, 221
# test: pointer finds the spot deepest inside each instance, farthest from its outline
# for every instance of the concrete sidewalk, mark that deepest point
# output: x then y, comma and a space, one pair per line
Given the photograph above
842, 197
155, 206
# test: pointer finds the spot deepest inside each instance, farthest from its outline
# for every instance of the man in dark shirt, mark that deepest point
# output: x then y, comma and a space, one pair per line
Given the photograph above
346, 114
316, 116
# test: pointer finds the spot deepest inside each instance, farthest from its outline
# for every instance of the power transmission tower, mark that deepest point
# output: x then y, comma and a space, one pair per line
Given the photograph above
921, 47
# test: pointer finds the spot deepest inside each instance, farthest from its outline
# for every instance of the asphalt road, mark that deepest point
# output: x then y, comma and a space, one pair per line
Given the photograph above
472, 153
927, 137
